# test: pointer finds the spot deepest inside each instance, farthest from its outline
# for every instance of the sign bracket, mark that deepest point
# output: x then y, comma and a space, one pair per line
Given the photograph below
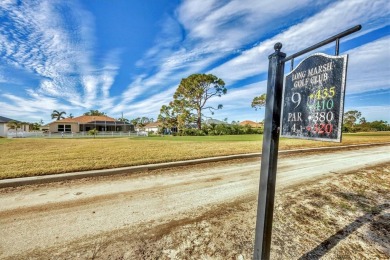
336, 38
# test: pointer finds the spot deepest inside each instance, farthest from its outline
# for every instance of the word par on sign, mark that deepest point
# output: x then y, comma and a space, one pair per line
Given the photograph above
313, 98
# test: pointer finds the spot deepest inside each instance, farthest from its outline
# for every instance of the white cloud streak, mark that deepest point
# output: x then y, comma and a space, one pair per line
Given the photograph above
196, 38
39, 38
369, 67
224, 28
334, 19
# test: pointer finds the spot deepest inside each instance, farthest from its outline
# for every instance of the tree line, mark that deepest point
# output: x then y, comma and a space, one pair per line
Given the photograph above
185, 113
219, 129
354, 122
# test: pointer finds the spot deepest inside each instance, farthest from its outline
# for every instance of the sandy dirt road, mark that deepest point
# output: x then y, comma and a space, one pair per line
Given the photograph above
54, 215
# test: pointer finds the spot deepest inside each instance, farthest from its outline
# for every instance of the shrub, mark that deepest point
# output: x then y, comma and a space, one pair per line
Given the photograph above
93, 131
192, 132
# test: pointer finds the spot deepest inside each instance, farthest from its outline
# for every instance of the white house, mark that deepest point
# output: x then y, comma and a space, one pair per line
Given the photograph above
86, 123
4, 129
150, 127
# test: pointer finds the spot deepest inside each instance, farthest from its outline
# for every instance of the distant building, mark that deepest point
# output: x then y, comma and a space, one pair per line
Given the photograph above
251, 123
4, 129
86, 123
152, 127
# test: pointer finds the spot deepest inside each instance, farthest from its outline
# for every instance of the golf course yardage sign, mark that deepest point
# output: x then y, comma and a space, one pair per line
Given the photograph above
313, 98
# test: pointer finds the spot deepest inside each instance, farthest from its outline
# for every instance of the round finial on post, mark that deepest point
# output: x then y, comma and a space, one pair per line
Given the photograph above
278, 46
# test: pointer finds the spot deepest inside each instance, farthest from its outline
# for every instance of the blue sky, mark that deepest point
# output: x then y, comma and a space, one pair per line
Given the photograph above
125, 56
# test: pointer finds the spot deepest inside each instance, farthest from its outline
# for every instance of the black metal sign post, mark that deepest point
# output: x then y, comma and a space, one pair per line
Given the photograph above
269, 158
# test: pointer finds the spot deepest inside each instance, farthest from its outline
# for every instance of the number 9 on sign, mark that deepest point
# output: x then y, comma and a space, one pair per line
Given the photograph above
296, 99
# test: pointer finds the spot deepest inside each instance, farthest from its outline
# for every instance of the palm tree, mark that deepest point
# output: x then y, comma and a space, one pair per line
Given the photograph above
94, 113
58, 115
122, 119
14, 125
143, 122
135, 121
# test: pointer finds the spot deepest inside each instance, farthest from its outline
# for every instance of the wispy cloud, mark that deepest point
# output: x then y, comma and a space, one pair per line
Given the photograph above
30, 106
369, 67
228, 29
331, 20
196, 38
54, 42
57, 49
146, 107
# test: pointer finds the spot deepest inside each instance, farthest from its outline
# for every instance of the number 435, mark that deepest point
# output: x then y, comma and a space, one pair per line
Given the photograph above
325, 93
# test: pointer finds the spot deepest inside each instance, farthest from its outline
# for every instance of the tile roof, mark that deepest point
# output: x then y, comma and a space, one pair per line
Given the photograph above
85, 119
251, 123
153, 124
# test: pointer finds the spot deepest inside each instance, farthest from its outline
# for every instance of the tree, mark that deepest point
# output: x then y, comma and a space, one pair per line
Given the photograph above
140, 121
135, 121
143, 121
17, 125
14, 125
58, 115
351, 117
94, 113
122, 119
93, 132
167, 117
380, 125
258, 102
363, 121
192, 95
34, 126
71, 115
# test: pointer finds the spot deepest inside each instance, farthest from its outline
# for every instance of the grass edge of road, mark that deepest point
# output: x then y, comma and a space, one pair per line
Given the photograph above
16, 182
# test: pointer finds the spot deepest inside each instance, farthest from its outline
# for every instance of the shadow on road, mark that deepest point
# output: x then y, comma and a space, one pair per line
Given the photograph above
333, 240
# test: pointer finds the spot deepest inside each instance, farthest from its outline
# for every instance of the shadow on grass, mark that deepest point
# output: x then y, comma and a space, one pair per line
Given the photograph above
333, 240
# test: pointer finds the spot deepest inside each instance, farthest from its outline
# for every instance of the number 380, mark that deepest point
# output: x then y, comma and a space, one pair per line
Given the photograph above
322, 116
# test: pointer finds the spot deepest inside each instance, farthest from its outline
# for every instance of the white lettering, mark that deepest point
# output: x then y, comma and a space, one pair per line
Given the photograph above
294, 117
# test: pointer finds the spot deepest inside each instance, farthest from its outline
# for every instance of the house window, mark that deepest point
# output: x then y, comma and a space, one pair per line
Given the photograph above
64, 128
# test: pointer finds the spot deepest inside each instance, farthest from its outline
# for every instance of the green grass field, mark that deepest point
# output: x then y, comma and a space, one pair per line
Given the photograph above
30, 157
